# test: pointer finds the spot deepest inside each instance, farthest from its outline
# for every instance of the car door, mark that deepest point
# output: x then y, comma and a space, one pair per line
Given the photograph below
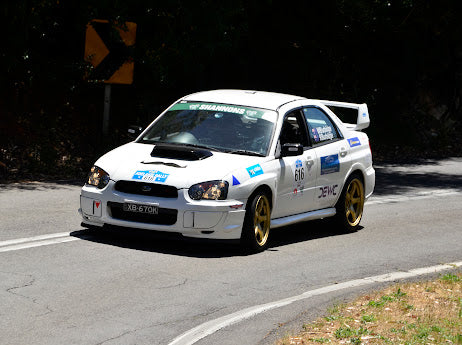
297, 183
332, 152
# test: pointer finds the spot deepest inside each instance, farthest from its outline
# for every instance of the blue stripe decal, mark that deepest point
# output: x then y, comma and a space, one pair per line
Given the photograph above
354, 142
255, 170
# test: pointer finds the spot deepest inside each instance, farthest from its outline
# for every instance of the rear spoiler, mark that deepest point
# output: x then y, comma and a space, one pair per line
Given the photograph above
362, 121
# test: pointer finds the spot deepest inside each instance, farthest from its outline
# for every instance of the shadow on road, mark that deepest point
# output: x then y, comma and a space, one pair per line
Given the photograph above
175, 244
35, 185
392, 182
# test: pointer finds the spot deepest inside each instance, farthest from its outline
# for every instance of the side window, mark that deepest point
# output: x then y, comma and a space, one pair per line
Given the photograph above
320, 126
293, 129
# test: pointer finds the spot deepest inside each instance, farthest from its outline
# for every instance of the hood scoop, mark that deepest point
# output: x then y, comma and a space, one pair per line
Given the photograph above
173, 165
184, 153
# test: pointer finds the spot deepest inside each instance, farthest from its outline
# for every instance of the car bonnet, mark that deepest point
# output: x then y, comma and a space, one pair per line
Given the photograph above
131, 162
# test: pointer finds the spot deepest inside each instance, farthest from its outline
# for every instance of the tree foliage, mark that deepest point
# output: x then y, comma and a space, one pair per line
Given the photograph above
402, 57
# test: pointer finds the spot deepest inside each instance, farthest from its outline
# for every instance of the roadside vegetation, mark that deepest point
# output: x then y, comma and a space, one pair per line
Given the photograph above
411, 313
402, 58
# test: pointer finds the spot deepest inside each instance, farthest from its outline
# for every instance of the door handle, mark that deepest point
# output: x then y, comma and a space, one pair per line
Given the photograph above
343, 152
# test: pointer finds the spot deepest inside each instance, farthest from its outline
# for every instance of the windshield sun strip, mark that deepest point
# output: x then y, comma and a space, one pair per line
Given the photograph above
231, 104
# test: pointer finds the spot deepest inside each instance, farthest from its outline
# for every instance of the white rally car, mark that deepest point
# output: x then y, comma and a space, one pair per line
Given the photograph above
231, 164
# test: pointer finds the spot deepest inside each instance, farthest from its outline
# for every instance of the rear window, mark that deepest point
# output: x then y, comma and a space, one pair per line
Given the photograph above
320, 126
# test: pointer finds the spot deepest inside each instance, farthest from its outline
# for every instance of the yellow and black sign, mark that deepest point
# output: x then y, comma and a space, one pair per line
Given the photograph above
109, 50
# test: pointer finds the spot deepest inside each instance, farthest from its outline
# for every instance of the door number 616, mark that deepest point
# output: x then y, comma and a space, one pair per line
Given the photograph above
299, 174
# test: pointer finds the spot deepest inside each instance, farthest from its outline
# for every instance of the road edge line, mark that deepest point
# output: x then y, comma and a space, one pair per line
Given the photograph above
33, 239
199, 332
37, 241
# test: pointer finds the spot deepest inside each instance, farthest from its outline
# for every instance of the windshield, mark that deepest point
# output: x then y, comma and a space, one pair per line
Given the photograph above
227, 128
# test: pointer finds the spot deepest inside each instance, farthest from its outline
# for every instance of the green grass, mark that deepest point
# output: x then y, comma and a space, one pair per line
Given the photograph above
347, 332
368, 318
407, 314
451, 278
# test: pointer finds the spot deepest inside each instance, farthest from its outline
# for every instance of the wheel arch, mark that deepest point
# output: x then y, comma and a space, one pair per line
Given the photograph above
355, 171
264, 188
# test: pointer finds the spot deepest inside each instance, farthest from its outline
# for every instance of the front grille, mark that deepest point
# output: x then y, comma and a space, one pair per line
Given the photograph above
144, 188
166, 216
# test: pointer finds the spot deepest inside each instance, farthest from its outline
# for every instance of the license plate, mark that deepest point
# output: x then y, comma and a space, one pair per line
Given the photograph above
150, 209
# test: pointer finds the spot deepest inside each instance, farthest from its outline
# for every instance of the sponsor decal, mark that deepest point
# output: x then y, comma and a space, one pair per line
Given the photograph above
327, 191
315, 134
225, 108
235, 181
354, 142
330, 164
255, 113
298, 191
325, 133
150, 176
255, 170
299, 177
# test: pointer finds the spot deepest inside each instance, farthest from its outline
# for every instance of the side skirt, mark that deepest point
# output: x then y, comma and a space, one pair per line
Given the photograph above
283, 221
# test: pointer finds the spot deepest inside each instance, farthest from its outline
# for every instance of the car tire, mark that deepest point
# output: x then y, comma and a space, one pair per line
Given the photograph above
350, 205
257, 222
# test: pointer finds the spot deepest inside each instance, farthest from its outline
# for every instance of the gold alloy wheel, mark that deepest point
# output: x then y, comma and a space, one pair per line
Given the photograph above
354, 202
261, 220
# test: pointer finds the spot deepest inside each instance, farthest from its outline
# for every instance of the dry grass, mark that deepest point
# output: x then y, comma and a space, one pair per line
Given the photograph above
412, 313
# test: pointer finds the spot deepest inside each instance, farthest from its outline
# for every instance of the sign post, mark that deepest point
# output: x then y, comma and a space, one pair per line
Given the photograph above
109, 53
107, 108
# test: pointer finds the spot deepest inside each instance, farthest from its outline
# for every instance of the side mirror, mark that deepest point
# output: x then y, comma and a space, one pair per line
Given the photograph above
134, 131
290, 149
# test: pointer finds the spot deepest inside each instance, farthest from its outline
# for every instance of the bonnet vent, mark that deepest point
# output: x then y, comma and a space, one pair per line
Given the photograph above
184, 153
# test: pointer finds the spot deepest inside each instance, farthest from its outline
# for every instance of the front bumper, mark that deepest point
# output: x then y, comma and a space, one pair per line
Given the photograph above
213, 219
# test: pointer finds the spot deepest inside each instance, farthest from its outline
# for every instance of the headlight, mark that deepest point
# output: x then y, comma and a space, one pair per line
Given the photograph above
211, 190
98, 177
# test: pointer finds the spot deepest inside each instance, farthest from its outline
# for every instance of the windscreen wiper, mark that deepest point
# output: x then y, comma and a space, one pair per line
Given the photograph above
199, 146
213, 148
246, 152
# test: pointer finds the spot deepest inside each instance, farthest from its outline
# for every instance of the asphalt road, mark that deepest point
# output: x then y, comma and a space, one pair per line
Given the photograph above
138, 288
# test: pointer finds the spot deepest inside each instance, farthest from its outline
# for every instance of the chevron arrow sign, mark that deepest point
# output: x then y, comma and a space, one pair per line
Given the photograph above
109, 51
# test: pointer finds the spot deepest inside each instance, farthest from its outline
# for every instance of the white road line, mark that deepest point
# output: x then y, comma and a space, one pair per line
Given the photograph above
36, 241
210, 327
35, 238
419, 195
